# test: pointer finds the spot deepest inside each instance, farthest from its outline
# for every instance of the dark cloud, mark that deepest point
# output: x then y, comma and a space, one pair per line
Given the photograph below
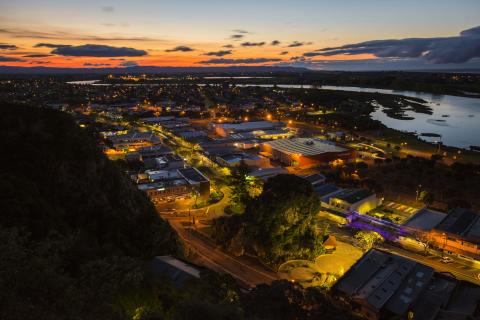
23, 33
229, 46
180, 48
472, 32
96, 50
10, 59
50, 45
220, 53
275, 43
283, 53
298, 44
39, 55
440, 50
298, 58
128, 64
90, 64
108, 9
239, 61
240, 31
4, 46
237, 36
253, 44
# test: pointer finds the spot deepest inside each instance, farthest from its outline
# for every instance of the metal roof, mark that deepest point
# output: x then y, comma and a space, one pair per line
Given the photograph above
304, 146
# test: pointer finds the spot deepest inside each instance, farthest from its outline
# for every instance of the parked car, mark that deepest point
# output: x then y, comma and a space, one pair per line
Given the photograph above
447, 260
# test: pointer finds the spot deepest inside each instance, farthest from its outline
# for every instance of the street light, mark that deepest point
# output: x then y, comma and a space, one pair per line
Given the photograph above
444, 244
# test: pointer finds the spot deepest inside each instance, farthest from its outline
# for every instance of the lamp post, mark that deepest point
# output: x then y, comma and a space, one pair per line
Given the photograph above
444, 243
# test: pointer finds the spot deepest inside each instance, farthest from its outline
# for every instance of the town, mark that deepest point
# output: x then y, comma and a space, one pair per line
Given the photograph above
205, 155
240, 160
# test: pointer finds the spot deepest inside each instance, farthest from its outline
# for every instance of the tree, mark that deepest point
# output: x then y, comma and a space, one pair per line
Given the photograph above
239, 185
279, 224
424, 239
427, 198
367, 239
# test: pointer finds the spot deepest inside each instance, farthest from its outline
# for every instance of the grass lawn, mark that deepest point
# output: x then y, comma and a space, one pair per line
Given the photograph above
325, 270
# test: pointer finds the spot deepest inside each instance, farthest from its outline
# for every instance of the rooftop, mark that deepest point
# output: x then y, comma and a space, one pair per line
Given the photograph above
325, 189
385, 281
250, 126
177, 270
462, 222
425, 219
304, 146
353, 195
192, 175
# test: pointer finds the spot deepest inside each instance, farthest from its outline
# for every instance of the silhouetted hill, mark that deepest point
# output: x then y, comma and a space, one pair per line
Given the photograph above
73, 230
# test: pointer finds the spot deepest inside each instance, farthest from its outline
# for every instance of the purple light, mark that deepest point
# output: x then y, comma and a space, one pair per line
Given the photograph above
386, 229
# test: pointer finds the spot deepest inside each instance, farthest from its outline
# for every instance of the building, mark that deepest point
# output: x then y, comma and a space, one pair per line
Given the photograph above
382, 285
267, 173
153, 152
171, 185
178, 271
167, 190
347, 200
306, 152
197, 180
169, 162
251, 160
459, 234
315, 179
134, 140
227, 129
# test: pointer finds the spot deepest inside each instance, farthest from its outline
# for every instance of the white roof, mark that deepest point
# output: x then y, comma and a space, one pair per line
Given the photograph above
250, 126
304, 146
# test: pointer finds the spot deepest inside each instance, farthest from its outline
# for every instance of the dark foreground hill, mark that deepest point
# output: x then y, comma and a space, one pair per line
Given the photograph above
73, 230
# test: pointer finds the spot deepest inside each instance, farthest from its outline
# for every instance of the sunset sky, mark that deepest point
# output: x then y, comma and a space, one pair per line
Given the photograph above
316, 34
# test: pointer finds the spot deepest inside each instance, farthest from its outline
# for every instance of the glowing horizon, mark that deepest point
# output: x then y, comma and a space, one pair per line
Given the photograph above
194, 33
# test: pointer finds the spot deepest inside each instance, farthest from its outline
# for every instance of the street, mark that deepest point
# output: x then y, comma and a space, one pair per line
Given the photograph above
249, 272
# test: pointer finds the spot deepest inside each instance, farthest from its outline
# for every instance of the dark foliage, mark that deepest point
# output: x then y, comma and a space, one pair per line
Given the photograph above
74, 230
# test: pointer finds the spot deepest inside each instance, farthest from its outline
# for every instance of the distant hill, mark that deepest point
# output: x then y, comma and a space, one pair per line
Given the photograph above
149, 70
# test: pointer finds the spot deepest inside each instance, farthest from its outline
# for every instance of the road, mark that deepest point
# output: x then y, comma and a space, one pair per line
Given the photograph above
460, 271
248, 272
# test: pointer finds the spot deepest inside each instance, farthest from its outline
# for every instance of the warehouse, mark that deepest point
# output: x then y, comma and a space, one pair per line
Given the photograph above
306, 152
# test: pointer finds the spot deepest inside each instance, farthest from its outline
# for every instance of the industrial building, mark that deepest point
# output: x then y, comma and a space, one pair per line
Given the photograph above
459, 233
306, 152
170, 185
133, 141
263, 127
382, 285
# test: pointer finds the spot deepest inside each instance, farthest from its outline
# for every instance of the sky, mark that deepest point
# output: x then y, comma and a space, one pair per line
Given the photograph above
318, 34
